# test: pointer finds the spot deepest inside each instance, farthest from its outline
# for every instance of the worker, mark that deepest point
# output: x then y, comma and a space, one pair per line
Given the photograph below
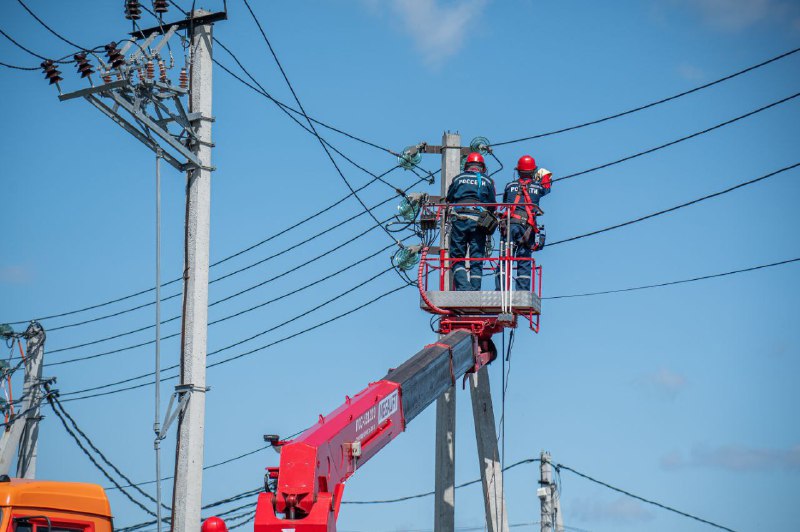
471, 186
518, 227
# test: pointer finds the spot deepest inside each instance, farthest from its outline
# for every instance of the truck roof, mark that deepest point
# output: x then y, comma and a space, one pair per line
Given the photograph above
64, 496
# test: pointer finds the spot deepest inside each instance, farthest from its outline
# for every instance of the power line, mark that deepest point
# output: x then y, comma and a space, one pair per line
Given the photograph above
16, 67
637, 497
225, 276
225, 361
677, 207
216, 263
227, 317
670, 283
227, 298
51, 30
429, 493
652, 104
310, 123
677, 141
51, 399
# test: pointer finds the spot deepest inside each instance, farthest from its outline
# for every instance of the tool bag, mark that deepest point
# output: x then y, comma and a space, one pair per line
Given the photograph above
487, 222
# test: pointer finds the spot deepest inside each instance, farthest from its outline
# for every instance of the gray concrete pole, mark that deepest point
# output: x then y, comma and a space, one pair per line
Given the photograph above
29, 443
445, 480
488, 453
545, 493
186, 498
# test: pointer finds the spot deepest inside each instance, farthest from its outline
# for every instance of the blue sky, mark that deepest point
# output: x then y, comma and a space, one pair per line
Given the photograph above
684, 394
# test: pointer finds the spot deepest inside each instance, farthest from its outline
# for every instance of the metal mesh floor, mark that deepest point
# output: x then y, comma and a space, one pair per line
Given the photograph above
482, 302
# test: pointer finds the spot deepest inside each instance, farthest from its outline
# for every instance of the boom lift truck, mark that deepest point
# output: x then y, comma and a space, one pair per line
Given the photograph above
304, 493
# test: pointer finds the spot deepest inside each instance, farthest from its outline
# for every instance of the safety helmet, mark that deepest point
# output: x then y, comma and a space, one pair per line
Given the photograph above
214, 524
475, 158
526, 164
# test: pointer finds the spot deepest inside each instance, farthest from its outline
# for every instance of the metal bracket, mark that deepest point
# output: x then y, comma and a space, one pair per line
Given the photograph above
183, 392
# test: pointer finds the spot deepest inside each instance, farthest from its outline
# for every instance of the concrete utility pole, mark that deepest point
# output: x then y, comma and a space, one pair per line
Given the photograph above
551, 520
445, 492
20, 437
488, 453
29, 444
186, 498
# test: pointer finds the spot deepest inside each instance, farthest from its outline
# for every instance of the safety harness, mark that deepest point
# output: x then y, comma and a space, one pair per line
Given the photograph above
531, 217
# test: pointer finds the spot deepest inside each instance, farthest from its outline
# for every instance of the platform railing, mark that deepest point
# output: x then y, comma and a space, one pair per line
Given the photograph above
435, 271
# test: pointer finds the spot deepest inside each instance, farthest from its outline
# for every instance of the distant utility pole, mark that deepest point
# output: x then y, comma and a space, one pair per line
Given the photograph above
32, 391
186, 497
21, 436
551, 520
445, 479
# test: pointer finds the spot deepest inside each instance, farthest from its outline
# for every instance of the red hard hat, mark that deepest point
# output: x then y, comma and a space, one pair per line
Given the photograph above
475, 157
214, 524
526, 163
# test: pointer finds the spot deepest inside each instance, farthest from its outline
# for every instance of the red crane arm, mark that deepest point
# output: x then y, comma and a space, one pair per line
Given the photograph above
314, 467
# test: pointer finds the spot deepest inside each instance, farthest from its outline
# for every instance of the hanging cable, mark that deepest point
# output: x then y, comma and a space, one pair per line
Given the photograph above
682, 139
248, 353
677, 207
671, 283
227, 298
311, 124
655, 103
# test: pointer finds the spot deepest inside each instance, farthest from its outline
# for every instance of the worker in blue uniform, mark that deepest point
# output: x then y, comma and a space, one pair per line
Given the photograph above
471, 186
523, 233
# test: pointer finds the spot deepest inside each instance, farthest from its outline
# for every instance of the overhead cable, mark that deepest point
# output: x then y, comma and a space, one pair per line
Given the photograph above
51, 30
677, 141
676, 207
225, 276
235, 357
310, 123
227, 298
652, 104
93, 459
682, 281
637, 497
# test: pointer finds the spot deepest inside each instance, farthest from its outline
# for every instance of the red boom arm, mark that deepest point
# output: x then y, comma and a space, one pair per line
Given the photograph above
314, 467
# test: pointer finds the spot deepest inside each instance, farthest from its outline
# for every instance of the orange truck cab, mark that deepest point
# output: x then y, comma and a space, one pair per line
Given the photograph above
46, 506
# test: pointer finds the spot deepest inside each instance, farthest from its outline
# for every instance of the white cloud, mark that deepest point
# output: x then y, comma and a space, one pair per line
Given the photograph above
735, 458
15, 275
620, 511
663, 383
438, 30
690, 72
737, 15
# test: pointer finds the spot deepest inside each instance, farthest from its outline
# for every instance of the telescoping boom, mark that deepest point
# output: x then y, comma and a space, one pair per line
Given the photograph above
304, 492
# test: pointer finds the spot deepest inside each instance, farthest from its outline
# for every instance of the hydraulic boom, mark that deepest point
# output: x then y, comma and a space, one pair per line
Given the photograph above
305, 492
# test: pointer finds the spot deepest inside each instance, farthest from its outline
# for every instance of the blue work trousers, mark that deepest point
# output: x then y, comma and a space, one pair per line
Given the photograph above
524, 268
463, 233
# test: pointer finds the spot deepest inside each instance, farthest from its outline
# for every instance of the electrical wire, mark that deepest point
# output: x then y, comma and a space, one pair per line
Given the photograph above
637, 497
229, 297
51, 30
682, 281
17, 67
682, 139
214, 264
60, 415
677, 207
429, 493
653, 104
230, 316
235, 357
259, 89
310, 123
178, 279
